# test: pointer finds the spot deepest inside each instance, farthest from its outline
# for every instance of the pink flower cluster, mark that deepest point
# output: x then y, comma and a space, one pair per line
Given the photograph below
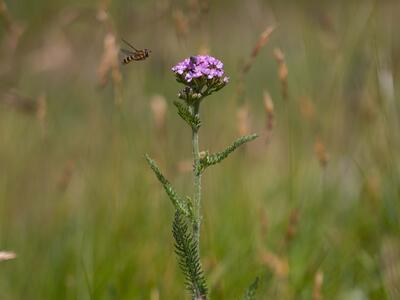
201, 66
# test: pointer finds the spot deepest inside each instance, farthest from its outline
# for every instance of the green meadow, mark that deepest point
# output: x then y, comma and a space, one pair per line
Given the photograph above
312, 207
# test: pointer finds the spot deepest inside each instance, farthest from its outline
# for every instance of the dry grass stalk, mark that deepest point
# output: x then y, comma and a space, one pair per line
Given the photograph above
321, 152
390, 257
102, 10
318, 281
181, 23
109, 61
243, 120
262, 41
282, 71
20, 103
154, 294
292, 226
373, 187
5, 15
158, 106
197, 8
26, 105
66, 175
269, 113
7, 255
13, 29
109, 64
204, 5
279, 265
41, 110
307, 109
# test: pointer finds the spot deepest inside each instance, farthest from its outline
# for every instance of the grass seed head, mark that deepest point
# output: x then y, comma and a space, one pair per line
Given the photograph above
13, 28
321, 152
159, 107
282, 71
292, 226
279, 265
269, 113
7, 255
262, 40
102, 11
307, 109
109, 61
154, 294
318, 281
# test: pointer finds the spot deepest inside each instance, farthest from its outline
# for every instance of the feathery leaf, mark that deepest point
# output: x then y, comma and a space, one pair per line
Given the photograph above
250, 293
187, 116
188, 258
212, 159
179, 204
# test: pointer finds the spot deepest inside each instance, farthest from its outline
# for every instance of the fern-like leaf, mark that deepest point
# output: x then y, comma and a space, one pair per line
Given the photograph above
188, 258
183, 111
250, 293
179, 204
212, 159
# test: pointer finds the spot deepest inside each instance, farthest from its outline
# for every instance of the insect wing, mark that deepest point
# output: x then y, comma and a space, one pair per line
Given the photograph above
127, 52
125, 56
130, 45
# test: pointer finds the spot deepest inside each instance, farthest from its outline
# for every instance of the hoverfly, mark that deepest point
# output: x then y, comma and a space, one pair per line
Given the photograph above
134, 55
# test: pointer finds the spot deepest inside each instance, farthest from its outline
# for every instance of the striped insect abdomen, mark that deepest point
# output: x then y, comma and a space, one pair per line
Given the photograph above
128, 59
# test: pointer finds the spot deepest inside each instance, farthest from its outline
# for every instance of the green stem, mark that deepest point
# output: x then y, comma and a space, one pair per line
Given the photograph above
196, 178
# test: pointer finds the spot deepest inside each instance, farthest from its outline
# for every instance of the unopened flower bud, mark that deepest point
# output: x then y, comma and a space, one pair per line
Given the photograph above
203, 154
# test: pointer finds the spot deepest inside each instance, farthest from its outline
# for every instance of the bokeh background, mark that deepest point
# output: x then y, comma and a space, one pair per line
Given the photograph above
312, 207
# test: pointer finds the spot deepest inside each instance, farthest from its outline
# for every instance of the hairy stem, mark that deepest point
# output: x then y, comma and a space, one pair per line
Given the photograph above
196, 178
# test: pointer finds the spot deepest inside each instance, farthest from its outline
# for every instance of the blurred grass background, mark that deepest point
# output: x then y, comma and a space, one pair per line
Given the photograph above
312, 207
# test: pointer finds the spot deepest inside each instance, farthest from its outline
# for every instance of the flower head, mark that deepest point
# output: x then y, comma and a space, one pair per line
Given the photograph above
202, 74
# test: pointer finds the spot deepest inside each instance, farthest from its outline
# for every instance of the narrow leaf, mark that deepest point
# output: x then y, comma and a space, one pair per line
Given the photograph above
250, 293
179, 204
188, 258
212, 159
